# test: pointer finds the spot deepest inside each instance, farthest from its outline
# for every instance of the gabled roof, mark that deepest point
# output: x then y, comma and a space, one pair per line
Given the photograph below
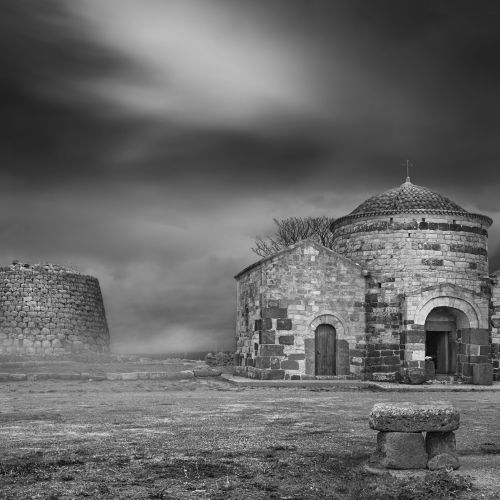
291, 248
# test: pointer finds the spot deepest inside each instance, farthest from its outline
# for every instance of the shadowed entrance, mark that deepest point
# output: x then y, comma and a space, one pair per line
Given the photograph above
441, 337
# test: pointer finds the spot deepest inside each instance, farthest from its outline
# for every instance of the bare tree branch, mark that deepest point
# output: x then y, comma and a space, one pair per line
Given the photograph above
294, 229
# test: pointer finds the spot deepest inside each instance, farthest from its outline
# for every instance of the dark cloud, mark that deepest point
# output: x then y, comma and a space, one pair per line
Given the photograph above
148, 143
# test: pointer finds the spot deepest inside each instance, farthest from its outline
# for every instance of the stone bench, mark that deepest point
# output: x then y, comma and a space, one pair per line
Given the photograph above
400, 443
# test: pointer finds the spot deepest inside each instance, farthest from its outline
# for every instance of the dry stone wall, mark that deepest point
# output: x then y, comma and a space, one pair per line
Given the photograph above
48, 310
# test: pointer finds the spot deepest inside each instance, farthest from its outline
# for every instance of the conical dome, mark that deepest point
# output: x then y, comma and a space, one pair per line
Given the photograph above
406, 198
409, 199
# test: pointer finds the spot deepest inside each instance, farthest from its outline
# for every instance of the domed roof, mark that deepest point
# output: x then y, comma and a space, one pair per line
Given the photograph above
406, 198
410, 199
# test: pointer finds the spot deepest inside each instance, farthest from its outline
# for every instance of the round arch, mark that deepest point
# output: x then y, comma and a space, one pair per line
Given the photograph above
329, 319
470, 310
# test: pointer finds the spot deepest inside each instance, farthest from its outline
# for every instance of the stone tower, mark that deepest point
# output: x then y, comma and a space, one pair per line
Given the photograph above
428, 257
50, 311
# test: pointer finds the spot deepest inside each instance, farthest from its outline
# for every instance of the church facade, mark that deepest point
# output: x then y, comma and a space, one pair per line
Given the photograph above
406, 283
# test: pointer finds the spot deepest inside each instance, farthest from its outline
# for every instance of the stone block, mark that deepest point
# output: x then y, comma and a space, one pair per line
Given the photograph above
130, 376
482, 374
443, 461
286, 339
272, 375
284, 324
271, 350
263, 324
296, 357
206, 371
413, 337
437, 443
402, 450
113, 376
415, 376
289, 365
268, 337
386, 376
274, 312
479, 336
439, 416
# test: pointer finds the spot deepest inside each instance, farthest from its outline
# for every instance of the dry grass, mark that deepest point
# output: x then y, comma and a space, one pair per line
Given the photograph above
207, 439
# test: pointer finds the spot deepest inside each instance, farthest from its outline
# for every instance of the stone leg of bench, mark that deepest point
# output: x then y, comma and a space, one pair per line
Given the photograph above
442, 450
402, 450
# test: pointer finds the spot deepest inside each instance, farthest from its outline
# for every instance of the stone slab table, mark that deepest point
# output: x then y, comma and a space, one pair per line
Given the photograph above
400, 443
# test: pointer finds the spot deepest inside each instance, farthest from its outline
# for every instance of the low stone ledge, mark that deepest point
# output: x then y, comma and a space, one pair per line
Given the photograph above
413, 417
206, 372
12, 377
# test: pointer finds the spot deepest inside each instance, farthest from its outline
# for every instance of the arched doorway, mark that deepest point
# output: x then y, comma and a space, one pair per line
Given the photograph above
325, 343
441, 345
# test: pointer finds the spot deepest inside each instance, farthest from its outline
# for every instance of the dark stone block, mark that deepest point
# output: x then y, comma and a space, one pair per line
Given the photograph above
267, 337
263, 324
273, 375
271, 350
443, 226
455, 227
286, 339
391, 360
284, 324
479, 336
358, 353
289, 365
472, 265
272, 303
479, 359
423, 225
467, 370
295, 377
482, 374
296, 357
274, 312
485, 350
415, 376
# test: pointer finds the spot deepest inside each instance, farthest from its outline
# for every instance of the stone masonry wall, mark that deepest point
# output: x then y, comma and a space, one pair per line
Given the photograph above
405, 255
47, 310
495, 325
418, 251
298, 289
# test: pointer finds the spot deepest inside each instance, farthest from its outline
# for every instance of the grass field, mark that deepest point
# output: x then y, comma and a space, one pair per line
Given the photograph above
204, 438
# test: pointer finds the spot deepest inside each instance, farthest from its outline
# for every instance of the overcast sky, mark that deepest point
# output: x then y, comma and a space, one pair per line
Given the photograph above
147, 142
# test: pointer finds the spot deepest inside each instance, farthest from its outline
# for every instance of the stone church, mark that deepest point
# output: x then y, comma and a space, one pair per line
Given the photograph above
406, 282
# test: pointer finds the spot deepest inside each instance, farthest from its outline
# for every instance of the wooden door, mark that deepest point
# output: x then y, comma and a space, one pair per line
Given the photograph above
325, 337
